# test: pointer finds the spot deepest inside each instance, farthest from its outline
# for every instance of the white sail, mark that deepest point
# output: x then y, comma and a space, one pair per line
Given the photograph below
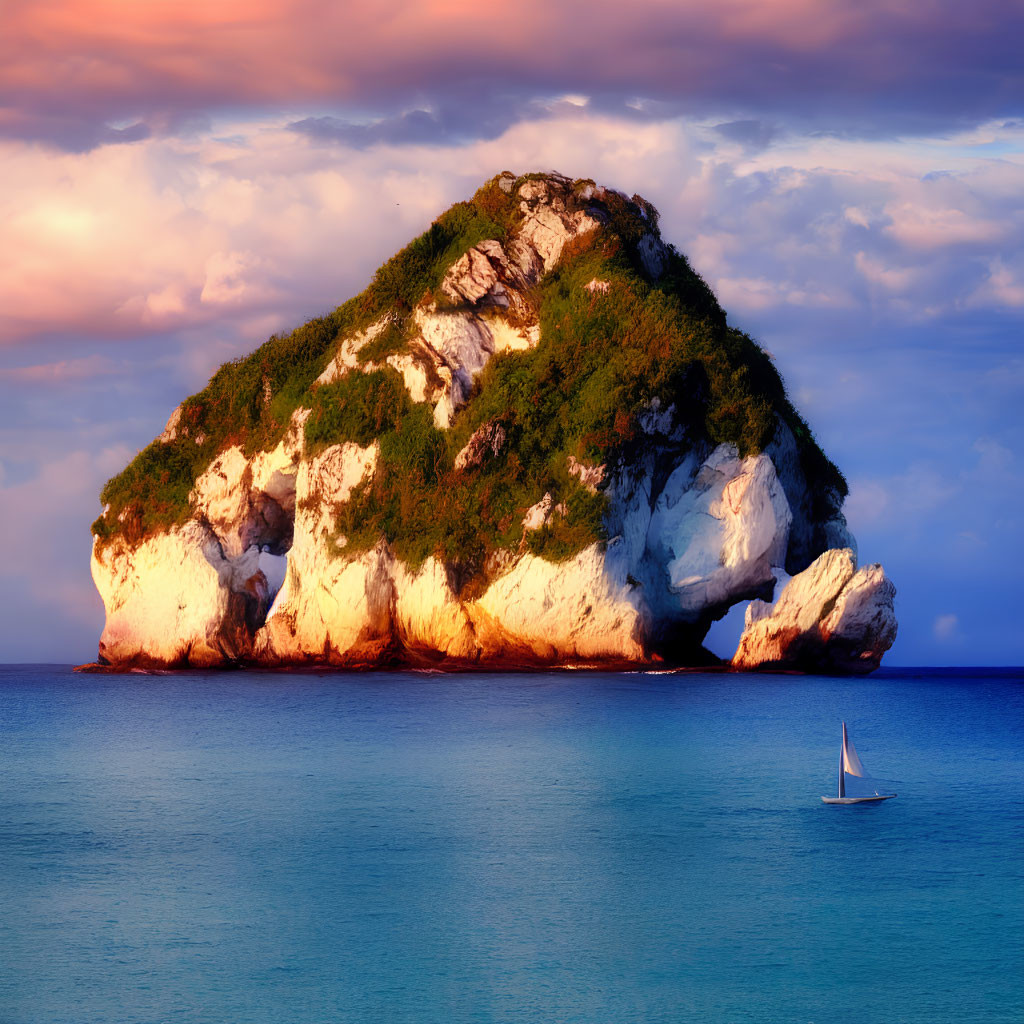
850, 767
851, 762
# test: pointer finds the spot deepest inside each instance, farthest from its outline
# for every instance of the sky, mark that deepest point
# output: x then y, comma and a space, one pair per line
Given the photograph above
179, 179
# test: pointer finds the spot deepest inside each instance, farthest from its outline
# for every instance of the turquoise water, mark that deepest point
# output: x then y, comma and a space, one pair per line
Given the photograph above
568, 847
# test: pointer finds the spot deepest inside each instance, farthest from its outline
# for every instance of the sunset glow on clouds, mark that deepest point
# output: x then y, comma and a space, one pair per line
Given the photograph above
182, 179
175, 232
83, 69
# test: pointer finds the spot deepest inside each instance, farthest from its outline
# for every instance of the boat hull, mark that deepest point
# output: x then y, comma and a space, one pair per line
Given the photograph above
855, 799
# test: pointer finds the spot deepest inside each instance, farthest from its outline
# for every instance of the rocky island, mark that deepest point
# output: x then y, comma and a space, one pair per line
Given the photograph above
533, 440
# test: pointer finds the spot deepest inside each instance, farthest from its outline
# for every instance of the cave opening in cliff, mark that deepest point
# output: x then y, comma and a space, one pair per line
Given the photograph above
274, 568
271, 524
724, 635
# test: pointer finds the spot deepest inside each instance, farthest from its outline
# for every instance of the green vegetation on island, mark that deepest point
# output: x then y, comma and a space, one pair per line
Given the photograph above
603, 358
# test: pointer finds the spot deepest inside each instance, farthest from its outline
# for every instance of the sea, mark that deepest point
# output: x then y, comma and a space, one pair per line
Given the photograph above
267, 848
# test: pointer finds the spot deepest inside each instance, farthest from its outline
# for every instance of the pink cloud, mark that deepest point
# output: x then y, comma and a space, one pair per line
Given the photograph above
251, 223
946, 628
37, 512
923, 227
1003, 287
101, 61
60, 371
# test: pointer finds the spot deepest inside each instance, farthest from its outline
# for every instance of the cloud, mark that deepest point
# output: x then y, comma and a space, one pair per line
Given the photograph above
994, 459
946, 628
48, 515
907, 498
920, 227
748, 132
892, 279
67, 130
868, 502
249, 220
171, 234
61, 371
972, 497
228, 277
416, 126
1002, 286
87, 72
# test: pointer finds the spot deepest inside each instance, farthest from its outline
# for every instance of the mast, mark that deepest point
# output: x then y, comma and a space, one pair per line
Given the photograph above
842, 759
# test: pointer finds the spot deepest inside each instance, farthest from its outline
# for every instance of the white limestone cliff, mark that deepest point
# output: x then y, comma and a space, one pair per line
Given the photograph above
832, 617
328, 603
677, 559
196, 593
720, 525
710, 539
174, 600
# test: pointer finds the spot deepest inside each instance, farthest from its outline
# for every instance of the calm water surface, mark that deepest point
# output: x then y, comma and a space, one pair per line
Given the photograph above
590, 847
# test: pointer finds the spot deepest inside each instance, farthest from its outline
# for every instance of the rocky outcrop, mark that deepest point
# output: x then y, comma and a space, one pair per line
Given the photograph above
197, 593
261, 571
175, 600
684, 549
539, 515
486, 443
590, 476
484, 307
715, 529
549, 224
682, 552
832, 618
330, 607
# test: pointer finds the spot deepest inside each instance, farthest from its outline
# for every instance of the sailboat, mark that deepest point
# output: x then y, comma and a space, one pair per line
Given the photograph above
849, 764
